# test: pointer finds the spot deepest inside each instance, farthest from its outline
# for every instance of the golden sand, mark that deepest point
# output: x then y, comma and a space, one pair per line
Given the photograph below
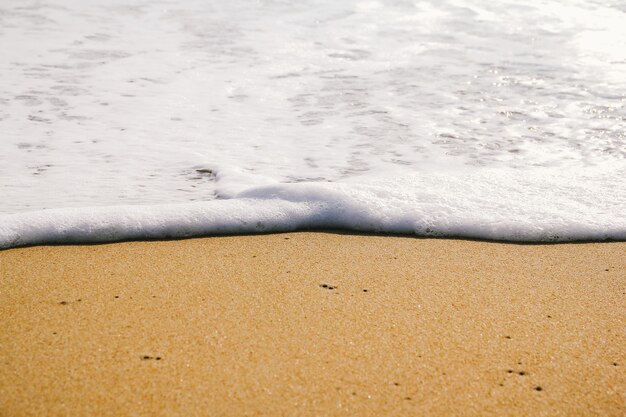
313, 324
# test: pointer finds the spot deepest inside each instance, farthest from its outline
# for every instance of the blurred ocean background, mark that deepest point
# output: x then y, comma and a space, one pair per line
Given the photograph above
500, 119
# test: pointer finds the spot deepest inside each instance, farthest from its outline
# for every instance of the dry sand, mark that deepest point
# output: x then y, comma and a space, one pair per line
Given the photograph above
313, 324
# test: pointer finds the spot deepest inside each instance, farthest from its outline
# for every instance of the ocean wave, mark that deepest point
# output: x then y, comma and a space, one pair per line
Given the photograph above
541, 206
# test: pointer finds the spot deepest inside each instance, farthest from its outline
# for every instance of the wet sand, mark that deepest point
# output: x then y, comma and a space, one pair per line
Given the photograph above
313, 324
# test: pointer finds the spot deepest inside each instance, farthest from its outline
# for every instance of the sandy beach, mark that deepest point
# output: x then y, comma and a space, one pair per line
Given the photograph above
313, 324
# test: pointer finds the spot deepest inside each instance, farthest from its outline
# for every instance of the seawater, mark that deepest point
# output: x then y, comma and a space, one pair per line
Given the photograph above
135, 119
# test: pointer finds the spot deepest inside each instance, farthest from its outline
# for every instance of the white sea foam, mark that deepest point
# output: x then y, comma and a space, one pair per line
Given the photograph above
496, 119
492, 204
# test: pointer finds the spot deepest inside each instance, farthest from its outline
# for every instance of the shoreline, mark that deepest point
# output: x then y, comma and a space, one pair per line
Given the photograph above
330, 231
312, 323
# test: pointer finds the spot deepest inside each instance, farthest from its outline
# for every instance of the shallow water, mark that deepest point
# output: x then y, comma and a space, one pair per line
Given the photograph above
106, 103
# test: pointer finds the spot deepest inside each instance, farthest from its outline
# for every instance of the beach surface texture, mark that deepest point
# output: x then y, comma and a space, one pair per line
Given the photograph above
313, 324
